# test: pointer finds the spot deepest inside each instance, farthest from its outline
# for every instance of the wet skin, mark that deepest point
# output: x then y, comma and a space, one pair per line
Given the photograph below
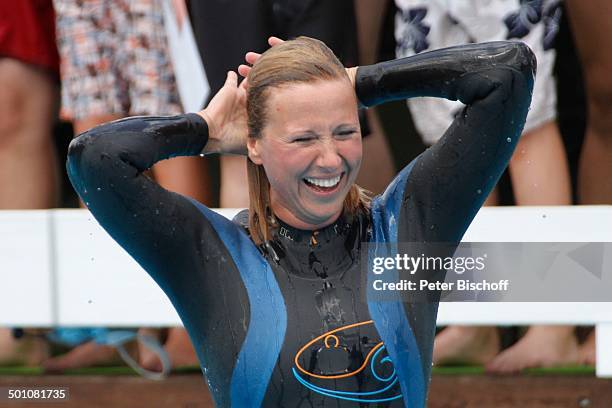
312, 132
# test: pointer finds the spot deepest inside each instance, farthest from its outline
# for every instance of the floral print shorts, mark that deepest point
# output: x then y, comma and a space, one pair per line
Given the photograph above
423, 25
114, 59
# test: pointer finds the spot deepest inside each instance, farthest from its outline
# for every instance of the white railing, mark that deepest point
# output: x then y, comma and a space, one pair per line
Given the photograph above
59, 267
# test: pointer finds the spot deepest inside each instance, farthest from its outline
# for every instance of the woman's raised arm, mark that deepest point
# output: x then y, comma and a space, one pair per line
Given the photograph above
165, 232
106, 165
444, 187
456, 73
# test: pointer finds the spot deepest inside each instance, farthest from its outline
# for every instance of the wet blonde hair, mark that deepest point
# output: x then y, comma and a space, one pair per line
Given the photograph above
302, 60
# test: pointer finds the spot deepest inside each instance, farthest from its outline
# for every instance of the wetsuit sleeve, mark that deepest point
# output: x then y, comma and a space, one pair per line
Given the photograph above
437, 195
161, 230
446, 185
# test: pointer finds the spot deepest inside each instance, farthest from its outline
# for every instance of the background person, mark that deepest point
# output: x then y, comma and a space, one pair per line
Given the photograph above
591, 25
115, 63
29, 97
538, 169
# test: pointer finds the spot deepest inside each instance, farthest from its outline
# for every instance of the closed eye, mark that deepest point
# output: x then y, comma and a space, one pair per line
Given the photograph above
303, 139
344, 134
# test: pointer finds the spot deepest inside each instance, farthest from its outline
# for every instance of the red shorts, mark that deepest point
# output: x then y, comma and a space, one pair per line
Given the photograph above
27, 33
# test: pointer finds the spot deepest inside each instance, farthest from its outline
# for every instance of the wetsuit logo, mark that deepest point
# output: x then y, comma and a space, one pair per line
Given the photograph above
375, 361
283, 232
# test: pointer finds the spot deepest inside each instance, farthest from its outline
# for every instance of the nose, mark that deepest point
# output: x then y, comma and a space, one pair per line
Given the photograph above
329, 157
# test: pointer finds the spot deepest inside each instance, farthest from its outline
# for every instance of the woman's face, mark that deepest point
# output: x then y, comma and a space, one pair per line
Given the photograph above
311, 151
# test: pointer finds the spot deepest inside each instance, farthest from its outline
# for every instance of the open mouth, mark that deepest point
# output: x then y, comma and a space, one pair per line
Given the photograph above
324, 185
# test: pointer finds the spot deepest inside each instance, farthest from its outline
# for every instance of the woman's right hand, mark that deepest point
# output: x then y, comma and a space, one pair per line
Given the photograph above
226, 118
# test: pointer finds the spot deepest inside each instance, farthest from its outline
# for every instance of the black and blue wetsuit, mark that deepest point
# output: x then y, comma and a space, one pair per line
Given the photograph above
286, 324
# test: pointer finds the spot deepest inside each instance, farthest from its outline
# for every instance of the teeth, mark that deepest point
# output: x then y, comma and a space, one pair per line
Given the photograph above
324, 182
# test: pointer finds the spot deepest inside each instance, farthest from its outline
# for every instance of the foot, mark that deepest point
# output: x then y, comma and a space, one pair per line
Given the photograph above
474, 345
586, 352
146, 357
25, 351
179, 349
541, 346
85, 355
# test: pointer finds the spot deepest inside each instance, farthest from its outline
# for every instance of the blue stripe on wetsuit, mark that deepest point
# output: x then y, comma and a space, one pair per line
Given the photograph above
390, 316
268, 323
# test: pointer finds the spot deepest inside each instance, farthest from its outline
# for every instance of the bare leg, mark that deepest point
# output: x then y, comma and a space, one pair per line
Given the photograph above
377, 168
28, 163
587, 350
595, 163
539, 169
8, 346
369, 15
492, 199
185, 175
234, 187
540, 176
590, 21
83, 125
27, 351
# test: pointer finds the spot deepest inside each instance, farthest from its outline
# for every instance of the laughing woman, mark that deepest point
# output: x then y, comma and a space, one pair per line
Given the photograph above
273, 301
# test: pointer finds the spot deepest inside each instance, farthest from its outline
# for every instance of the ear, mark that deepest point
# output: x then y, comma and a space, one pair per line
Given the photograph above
254, 146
